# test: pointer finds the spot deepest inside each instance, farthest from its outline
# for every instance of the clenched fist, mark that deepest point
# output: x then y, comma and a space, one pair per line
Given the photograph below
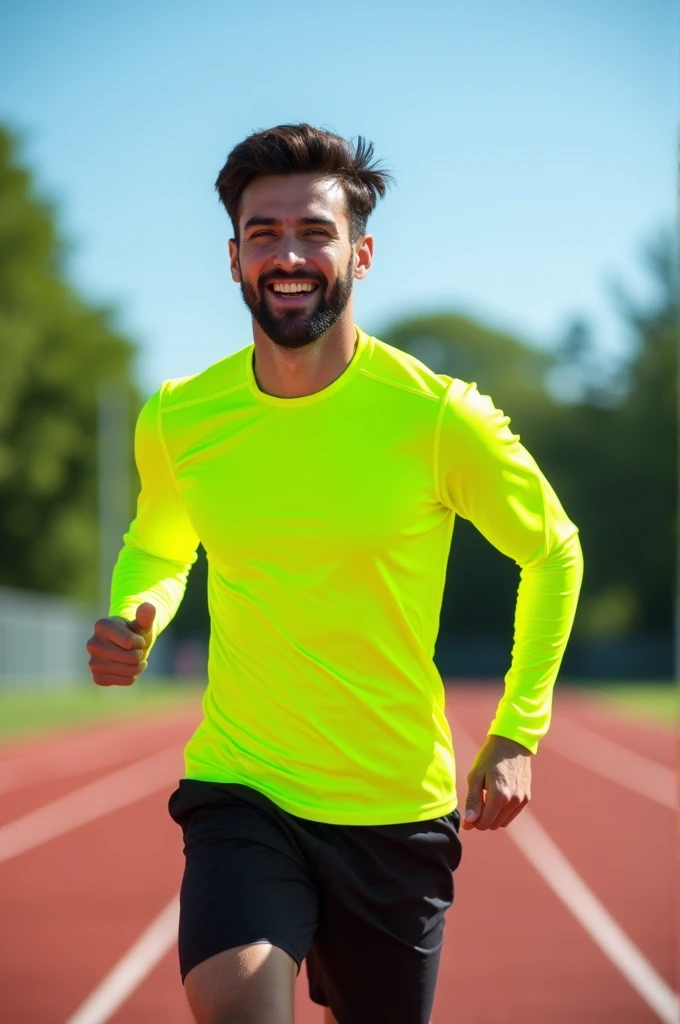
118, 648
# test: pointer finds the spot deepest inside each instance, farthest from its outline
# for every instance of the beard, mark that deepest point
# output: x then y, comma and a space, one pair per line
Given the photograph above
291, 328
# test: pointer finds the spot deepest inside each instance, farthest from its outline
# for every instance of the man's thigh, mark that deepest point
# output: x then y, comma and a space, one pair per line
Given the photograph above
250, 983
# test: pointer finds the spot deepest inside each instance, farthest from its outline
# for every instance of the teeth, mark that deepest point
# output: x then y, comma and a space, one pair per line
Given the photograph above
290, 288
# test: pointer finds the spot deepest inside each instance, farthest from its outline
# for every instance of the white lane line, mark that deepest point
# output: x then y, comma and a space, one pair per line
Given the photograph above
614, 762
131, 970
73, 755
548, 860
560, 876
96, 799
78, 761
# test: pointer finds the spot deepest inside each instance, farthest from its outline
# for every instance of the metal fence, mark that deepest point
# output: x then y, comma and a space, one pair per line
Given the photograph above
43, 637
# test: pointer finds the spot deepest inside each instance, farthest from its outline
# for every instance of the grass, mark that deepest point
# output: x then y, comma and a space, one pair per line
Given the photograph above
36, 708
653, 702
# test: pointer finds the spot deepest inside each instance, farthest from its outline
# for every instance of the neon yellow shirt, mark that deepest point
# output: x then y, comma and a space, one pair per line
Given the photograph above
327, 522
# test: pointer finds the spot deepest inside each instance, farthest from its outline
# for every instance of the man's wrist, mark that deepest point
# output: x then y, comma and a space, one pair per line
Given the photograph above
512, 746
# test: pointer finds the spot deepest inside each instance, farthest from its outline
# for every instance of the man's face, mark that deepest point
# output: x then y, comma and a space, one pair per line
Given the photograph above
293, 259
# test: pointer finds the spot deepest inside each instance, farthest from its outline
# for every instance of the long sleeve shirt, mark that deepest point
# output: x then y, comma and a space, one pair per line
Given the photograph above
327, 521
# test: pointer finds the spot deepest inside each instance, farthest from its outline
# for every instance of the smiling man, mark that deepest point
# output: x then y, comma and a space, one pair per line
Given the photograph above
323, 470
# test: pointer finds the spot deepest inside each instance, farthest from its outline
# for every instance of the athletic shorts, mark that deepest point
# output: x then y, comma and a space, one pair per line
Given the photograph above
364, 905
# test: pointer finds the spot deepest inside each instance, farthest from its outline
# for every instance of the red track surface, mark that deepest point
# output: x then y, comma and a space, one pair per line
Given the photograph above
73, 906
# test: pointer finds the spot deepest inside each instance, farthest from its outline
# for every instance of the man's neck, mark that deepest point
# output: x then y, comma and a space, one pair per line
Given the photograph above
295, 372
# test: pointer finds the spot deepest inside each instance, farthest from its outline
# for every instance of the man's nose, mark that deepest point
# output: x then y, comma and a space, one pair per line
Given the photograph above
287, 256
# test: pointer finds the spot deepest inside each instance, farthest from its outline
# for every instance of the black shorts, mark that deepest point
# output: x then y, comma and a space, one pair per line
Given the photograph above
364, 904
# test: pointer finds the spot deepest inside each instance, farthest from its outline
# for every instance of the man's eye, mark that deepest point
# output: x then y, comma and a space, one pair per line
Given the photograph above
262, 234
319, 232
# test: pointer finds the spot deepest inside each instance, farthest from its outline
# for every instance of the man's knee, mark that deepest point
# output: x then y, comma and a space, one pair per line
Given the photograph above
250, 984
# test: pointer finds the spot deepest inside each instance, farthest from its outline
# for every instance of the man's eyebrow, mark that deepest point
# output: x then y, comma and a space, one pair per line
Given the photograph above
318, 220
258, 222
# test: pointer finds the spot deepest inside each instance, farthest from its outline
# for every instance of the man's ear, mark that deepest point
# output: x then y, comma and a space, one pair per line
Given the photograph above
363, 257
234, 261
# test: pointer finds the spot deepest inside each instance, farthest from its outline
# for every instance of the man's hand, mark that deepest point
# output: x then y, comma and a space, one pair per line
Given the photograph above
117, 648
499, 784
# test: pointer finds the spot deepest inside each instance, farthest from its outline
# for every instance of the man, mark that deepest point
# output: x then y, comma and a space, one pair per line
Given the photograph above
322, 471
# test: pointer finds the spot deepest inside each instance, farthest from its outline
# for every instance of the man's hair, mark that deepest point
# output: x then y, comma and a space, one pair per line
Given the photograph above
301, 149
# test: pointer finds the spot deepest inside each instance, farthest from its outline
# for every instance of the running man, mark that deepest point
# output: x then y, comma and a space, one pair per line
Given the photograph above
322, 470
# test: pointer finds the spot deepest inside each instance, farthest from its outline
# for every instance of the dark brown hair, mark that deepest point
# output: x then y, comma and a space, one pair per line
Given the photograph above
299, 149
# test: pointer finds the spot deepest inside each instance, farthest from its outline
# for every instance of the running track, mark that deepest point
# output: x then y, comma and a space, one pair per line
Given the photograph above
568, 915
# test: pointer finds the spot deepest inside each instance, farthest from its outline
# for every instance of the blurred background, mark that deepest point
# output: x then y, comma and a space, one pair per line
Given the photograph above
529, 245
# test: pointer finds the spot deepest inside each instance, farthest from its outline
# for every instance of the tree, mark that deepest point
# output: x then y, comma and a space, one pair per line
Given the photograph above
609, 448
614, 453
57, 350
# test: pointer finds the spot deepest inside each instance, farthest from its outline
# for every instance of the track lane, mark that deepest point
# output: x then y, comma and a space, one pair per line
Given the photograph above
623, 845
62, 761
542, 966
131, 969
162, 998
33, 798
639, 774
652, 738
64, 740
512, 951
79, 902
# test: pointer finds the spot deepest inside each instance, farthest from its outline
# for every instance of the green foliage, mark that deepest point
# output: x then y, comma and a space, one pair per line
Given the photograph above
56, 351
610, 452
613, 458
500, 364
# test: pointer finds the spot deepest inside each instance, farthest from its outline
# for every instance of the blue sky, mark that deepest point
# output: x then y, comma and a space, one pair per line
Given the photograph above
533, 144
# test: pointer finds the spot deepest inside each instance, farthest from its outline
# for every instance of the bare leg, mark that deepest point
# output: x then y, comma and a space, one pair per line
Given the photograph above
244, 985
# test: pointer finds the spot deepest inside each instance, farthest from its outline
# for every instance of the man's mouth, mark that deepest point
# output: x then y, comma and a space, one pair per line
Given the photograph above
292, 293
292, 287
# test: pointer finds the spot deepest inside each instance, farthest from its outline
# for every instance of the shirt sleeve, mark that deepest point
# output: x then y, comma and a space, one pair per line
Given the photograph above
486, 475
160, 546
